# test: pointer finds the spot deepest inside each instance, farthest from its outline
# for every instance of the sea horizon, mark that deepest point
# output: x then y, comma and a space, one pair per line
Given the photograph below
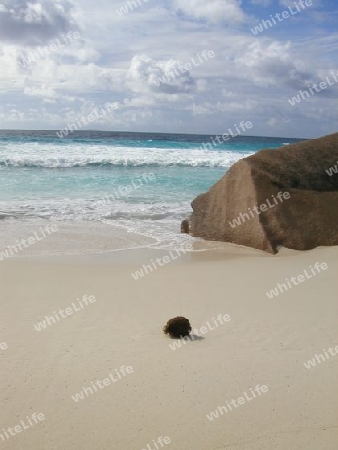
94, 130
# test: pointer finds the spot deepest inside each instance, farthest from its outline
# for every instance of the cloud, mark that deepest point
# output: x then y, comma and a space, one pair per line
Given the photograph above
214, 11
34, 22
274, 64
164, 76
40, 91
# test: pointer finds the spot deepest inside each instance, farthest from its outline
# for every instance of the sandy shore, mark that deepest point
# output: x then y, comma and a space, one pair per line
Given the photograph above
160, 391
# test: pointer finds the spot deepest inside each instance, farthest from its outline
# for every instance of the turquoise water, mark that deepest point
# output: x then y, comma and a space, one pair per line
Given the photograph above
140, 181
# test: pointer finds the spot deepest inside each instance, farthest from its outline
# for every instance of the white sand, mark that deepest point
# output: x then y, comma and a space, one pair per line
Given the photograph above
170, 392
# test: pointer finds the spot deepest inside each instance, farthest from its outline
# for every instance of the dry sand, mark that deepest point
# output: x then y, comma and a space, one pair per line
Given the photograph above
170, 392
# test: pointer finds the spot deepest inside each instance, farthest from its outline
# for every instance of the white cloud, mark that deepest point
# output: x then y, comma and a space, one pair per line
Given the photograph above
146, 74
33, 22
40, 91
212, 10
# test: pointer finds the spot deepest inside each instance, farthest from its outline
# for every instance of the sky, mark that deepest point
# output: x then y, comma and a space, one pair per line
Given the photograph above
175, 66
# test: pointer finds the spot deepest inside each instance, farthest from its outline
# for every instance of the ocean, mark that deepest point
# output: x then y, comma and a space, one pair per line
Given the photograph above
95, 185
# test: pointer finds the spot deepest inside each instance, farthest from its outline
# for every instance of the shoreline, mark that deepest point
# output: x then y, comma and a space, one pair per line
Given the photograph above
86, 242
144, 255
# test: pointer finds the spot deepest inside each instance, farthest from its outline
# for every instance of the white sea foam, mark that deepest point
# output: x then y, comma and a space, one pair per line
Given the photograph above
79, 155
150, 214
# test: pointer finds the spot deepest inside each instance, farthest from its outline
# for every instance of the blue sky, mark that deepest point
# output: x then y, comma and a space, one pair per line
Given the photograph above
119, 54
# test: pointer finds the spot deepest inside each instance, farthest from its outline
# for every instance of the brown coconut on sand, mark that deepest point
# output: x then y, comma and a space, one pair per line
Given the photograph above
177, 327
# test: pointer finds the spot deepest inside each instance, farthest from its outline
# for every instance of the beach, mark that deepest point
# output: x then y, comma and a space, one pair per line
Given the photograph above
155, 392
168, 225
